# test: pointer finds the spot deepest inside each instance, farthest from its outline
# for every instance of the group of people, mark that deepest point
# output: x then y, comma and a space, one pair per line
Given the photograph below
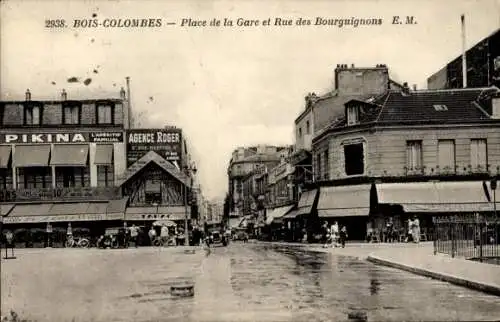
333, 236
413, 230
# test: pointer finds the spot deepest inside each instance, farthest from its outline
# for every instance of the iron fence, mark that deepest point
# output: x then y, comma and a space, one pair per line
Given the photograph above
474, 237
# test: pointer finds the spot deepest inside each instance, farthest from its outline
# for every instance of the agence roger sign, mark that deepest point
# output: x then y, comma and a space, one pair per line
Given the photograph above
75, 137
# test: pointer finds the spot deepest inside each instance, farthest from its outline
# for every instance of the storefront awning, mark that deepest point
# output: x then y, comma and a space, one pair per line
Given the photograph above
234, 222
31, 155
464, 196
344, 201
60, 212
157, 213
5, 152
103, 154
72, 155
5, 209
291, 215
306, 202
276, 214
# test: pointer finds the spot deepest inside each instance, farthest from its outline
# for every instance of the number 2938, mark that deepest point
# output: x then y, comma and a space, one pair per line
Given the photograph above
55, 23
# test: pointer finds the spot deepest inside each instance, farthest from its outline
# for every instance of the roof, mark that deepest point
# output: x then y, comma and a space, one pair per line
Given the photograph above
154, 157
426, 106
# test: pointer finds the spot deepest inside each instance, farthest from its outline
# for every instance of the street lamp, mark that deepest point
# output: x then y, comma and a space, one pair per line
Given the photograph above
189, 170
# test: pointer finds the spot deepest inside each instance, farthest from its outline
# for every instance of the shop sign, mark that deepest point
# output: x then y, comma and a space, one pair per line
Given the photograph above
60, 218
106, 137
449, 207
166, 142
73, 137
48, 194
155, 216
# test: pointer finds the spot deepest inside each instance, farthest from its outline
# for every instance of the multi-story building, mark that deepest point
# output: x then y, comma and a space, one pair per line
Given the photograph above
159, 181
351, 82
483, 67
60, 160
407, 153
243, 162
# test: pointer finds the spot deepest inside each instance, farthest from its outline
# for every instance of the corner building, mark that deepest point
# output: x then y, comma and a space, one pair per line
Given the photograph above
59, 161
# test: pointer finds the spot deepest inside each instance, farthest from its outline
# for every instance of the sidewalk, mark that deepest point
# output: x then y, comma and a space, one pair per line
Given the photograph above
419, 259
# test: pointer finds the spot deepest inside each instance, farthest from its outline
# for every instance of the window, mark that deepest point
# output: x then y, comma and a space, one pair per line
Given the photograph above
354, 159
352, 115
300, 132
32, 115
34, 177
446, 155
71, 115
319, 172
478, 154
153, 197
105, 175
308, 128
326, 159
104, 114
72, 177
414, 155
5, 179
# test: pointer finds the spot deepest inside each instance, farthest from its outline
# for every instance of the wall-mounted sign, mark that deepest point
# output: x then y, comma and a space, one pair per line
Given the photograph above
59, 218
106, 137
156, 216
166, 142
73, 137
48, 194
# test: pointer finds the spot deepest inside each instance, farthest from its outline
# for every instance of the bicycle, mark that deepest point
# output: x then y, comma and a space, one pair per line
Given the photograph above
80, 242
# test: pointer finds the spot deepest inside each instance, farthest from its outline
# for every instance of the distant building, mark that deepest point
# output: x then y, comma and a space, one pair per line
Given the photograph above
483, 67
243, 162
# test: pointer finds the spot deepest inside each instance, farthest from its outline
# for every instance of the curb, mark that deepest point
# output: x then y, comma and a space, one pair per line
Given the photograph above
478, 286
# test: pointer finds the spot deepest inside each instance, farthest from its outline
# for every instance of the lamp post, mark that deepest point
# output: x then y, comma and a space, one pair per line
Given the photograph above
189, 170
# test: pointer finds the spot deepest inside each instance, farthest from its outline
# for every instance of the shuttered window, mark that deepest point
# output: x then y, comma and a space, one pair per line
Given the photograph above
478, 154
446, 155
414, 155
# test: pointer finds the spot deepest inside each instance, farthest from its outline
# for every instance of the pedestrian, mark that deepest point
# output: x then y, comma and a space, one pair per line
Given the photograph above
9, 243
416, 230
334, 230
134, 234
152, 235
164, 235
343, 236
126, 235
409, 236
48, 231
328, 237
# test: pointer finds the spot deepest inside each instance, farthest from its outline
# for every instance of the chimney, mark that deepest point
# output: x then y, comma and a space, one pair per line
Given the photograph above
414, 87
28, 95
129, 122
64, 95
464, 58
406, 89
495, 106
352, 65
123, 94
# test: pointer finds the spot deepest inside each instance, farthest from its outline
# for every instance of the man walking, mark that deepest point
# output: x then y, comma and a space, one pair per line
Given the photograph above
343, 236
134, 234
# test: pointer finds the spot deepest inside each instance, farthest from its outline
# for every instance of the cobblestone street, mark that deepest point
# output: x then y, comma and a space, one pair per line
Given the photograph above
243, 282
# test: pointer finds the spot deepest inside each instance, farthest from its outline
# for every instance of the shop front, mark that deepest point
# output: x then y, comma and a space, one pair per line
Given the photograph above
399, 202
45, 223
275, 226
349, 206
304, 219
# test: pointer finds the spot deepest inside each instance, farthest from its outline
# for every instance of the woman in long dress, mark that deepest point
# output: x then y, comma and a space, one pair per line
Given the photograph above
416, 230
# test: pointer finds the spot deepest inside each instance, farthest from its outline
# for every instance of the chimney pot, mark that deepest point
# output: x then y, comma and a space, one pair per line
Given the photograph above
64, 95
28, 95
352, 65
122, 93
414, 87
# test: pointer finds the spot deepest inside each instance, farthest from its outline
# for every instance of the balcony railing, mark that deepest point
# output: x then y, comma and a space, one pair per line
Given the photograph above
60, 194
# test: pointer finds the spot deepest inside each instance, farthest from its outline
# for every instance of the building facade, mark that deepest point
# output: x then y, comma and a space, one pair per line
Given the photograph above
483, 67
60, 160
407, 153
243, 162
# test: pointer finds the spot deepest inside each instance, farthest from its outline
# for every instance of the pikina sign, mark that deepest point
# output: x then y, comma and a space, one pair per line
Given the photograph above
76, 137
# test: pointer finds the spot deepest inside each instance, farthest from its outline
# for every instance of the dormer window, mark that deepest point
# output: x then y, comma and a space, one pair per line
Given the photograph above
105, 114
32, 115
71, 114
352, 115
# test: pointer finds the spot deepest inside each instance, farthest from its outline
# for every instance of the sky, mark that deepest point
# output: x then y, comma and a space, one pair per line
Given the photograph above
225, 86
